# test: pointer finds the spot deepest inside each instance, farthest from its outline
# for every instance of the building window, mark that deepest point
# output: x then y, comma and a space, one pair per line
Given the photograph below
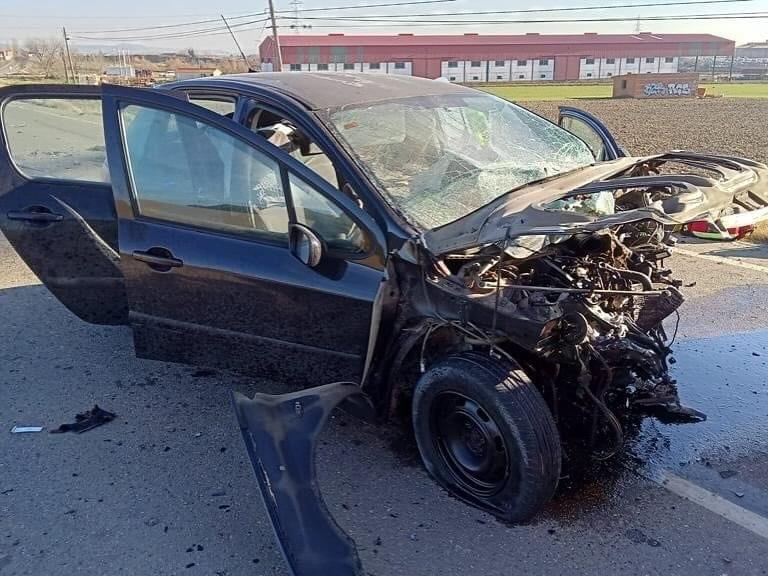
475, 64
453, 64
610, 74
521, 77
499, 63
475, 78
399, 65
295, 67
349, 66
589, 61
589, 74
610, 60
522, 62
322, 66
630, 60
499, 77
452, 78
375, 66
544, 62
542, 75
669, 60
650, 60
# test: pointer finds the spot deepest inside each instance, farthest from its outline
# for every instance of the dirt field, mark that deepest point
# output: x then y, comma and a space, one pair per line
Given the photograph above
733, 126
724, 125
551, 91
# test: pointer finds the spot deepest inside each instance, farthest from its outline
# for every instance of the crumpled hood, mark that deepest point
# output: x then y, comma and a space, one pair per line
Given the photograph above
530, 211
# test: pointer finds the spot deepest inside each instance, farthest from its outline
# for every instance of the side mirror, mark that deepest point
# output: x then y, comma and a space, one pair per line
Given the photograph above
305, 245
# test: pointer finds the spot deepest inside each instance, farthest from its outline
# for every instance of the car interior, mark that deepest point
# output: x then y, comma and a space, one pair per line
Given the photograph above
265, 122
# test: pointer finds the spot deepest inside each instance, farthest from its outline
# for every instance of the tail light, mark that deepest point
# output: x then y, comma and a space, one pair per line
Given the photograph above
703, 229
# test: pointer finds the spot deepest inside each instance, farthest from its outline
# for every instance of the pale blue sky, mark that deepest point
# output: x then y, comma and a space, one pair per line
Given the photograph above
21, 19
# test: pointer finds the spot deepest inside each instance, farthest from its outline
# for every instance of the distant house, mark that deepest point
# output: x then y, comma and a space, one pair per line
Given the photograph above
6, 55
121, 71
188, 73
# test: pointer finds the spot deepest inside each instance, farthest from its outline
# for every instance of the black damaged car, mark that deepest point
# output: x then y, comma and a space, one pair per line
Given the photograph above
466, 265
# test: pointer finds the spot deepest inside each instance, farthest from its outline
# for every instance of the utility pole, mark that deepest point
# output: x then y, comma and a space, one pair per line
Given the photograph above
296, 16
69, 55
276, 40
66, 70
247, 64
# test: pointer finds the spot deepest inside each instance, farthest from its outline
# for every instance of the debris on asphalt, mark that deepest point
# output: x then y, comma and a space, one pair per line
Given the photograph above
26, 429
739, 494
728, 473
639, 537
86, 421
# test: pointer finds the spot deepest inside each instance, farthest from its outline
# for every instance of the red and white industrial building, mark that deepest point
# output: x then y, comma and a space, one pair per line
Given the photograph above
495, 58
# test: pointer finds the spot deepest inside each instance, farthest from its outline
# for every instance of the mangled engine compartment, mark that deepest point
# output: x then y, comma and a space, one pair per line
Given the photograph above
584, 316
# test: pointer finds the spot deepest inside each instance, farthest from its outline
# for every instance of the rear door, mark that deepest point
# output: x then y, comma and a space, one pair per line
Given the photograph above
204, 207
56, 204
592, 132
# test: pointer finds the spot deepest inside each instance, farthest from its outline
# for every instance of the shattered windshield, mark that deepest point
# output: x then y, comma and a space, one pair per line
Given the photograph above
438, 158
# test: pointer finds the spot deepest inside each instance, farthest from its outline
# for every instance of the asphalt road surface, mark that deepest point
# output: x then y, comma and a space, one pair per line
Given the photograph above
167, 487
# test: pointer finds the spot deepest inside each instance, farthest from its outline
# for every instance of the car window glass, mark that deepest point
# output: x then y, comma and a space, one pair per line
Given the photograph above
191, 173
60, 138
284, 134
434, 174
224, 106
326, 219
586, 134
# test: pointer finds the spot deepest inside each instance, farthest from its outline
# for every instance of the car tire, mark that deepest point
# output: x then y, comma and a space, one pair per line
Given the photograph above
486, 435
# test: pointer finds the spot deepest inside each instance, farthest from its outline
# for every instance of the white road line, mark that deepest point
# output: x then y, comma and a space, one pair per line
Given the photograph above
721, 259
725, 508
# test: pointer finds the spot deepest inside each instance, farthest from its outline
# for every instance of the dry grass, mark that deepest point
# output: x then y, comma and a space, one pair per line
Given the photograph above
760, 235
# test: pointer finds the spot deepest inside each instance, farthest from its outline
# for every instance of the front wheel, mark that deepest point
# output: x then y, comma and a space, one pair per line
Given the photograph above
486, 435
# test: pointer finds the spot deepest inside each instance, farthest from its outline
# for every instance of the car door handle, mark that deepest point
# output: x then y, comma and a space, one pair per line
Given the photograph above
157, 258
35, 215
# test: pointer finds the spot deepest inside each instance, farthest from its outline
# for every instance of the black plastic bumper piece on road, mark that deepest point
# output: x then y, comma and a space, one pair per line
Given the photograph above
280, 433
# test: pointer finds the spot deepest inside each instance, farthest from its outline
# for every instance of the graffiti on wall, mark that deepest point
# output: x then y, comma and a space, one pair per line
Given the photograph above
671, 89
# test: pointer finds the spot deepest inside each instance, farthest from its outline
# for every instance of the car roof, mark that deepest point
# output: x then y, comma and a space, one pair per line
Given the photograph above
318, 90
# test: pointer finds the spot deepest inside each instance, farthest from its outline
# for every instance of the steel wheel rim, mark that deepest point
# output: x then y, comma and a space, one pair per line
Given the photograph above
470, 443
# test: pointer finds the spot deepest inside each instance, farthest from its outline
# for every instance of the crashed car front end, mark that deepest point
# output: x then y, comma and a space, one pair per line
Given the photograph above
584, 315
568, 276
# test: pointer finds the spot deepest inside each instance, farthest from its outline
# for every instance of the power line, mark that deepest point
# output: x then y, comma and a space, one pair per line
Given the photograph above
424, 24
370, 6
252, 14
164, 26
173, 35
401, 23
398, 21
534, 10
